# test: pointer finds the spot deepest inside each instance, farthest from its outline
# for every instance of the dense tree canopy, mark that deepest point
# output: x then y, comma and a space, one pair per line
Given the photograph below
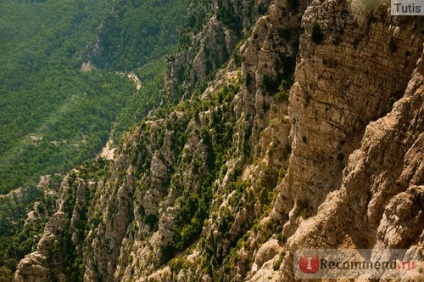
53, 115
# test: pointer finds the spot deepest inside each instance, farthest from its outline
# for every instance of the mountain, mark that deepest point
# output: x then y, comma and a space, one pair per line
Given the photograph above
62, 99
55, 115
284, 125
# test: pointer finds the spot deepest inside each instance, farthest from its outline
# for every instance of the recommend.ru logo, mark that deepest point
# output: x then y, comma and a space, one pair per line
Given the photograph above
355, 264
309, 264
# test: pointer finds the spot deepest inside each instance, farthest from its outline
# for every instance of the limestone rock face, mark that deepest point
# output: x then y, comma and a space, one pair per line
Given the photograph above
63, 234
35, 266
210, 47
380, 202
266, 252
341, 85
297, 124
31, 269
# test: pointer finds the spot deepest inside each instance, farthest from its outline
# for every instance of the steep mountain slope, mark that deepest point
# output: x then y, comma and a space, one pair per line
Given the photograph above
53, 115
286, 125
61, 99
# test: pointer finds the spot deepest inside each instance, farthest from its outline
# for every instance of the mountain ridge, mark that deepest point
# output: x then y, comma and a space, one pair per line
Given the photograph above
305, 133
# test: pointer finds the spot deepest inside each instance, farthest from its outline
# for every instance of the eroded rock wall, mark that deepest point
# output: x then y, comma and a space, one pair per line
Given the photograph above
293, 142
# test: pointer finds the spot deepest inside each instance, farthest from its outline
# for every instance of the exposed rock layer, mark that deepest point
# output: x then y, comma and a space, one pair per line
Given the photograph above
230, 182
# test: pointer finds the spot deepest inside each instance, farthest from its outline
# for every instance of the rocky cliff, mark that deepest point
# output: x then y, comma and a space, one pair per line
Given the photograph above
287, 124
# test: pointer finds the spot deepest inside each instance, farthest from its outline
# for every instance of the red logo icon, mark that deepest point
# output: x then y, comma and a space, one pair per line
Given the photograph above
309, 264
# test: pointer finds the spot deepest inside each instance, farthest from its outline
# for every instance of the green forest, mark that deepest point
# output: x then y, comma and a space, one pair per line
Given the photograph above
55, 116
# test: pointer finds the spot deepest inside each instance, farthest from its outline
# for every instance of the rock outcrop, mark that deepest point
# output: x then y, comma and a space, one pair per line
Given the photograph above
287, 125
380, 202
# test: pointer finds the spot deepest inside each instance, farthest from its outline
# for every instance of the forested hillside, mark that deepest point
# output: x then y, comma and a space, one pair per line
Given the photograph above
280, 126
54, 113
